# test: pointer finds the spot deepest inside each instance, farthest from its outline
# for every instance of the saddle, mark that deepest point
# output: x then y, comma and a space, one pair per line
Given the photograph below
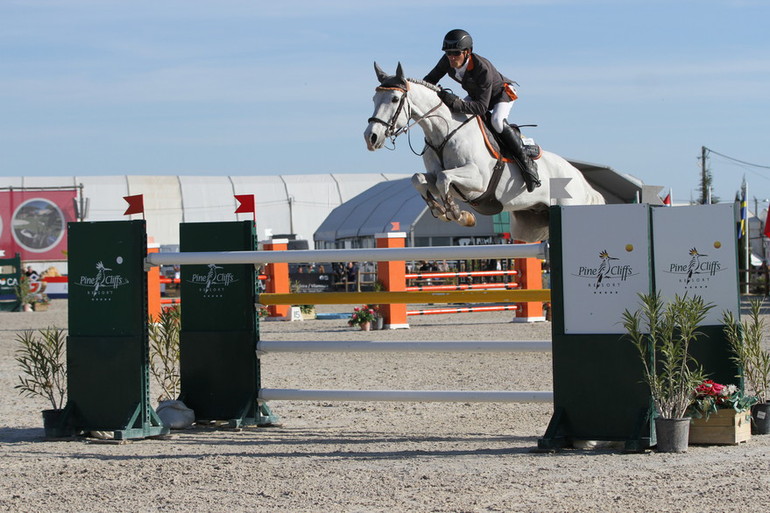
494, 144
487, 203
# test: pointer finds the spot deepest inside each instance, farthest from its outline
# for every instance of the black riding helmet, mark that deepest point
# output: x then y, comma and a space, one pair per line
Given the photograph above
457, 39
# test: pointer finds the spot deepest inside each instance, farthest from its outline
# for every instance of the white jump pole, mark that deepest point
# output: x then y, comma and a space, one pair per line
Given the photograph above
462, 396
300, 346
536, 250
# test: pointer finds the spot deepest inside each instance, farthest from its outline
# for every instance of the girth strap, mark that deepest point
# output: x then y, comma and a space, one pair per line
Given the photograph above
487, 203
439, 150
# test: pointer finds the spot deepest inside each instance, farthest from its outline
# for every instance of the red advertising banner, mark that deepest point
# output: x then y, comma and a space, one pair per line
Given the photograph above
34, 223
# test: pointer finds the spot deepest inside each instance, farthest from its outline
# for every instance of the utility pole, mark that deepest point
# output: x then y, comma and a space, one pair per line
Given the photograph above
703, 182
746, 236
762, 227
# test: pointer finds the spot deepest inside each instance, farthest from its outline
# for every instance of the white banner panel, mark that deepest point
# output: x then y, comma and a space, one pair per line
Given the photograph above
695, 254
606, 255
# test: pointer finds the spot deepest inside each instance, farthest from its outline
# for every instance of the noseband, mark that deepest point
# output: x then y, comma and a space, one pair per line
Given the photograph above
391, 131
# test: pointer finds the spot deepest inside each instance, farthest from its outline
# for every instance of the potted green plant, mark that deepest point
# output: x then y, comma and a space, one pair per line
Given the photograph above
41, 301
363, 317
745, 340
164, 368
25, 294
307, 311
32, 301
164, 352
42, 358
662, 334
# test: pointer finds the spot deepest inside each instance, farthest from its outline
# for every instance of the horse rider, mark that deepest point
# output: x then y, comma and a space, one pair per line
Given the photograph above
488, 90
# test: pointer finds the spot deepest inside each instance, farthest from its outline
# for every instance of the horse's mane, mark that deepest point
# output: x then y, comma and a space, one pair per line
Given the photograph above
422, 82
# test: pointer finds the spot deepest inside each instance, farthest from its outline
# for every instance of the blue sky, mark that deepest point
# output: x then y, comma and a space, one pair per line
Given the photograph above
263, 88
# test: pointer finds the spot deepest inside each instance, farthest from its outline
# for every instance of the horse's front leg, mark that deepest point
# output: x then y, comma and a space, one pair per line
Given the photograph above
425, 183
468, 178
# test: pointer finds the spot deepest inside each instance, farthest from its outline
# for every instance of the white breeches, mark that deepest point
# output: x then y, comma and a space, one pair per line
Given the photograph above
500, 114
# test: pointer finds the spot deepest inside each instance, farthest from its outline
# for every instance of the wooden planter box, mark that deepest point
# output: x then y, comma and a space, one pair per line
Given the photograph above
725, 427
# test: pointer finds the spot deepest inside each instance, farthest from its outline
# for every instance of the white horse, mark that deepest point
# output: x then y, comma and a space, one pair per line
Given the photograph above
460, 165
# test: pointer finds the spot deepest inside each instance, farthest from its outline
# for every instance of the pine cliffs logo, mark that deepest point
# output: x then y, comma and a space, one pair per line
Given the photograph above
103, 282
697, 271
608, 275
213, 283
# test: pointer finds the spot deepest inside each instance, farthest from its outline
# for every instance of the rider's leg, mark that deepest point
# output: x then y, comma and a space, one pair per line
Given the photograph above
512, 141
499, 115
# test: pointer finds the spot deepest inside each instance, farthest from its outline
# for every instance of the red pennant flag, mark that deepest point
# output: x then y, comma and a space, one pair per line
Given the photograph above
667, 199
395, 226
767, 226
246, 203
135, 204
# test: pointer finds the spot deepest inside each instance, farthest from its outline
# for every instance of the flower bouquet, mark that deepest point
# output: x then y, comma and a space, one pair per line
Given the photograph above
720, 414
363, 316
711, 396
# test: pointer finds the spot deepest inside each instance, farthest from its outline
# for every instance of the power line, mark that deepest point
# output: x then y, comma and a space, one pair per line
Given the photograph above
736, 160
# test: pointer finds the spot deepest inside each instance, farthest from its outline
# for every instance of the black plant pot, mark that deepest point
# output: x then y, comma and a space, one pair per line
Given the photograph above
672, 434
54, 424
760, 419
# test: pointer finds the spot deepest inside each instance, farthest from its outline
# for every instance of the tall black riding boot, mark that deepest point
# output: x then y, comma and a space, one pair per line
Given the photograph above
512, 141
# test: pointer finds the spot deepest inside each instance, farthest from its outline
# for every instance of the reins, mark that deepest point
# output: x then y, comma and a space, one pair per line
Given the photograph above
439, 150
391, 132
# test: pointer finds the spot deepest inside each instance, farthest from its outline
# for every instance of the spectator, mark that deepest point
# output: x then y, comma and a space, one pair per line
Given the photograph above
352, 275
31, 274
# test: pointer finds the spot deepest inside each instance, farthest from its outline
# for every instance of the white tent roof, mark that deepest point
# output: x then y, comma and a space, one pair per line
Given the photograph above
285, 204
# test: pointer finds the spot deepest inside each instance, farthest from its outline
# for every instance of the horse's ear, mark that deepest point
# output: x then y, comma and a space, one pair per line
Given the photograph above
400, 72
381, 75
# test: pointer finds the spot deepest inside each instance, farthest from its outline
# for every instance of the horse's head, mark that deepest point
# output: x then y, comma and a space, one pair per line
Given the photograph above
390, 114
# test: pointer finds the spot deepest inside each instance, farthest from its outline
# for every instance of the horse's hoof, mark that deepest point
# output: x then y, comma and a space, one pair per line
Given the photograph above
467, 219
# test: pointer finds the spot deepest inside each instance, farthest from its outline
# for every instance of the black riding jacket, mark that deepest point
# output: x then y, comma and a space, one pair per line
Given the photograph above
483, 83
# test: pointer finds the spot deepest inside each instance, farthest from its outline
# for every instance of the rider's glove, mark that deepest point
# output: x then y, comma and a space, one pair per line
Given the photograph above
450, 100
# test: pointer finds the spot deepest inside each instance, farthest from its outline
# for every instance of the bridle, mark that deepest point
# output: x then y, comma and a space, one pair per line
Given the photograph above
391, 131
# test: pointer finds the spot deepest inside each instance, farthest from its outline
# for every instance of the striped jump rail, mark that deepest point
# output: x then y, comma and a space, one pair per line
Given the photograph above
458, 274
465, 286
414, 297
463, 309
